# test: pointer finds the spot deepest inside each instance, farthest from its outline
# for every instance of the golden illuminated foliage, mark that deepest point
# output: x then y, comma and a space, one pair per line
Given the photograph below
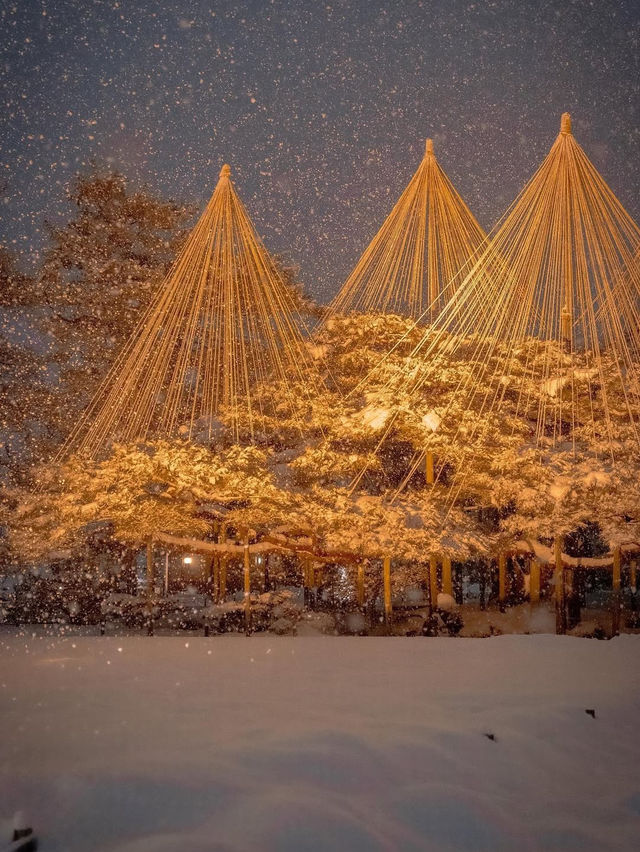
547, 319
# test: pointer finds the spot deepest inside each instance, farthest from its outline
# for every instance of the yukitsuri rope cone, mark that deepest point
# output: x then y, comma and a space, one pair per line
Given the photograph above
427, 238
222, 323
549, 313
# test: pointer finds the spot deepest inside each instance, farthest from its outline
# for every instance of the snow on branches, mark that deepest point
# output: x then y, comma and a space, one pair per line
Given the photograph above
354, 475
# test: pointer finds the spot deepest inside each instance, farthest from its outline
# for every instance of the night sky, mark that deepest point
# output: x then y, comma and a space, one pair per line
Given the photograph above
320, 108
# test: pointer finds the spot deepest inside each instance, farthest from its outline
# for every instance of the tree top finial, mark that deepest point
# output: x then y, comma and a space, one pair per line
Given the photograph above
565, 123
428, 148
225, 171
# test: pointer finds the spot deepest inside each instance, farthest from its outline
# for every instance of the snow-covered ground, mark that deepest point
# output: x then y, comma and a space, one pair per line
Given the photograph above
270, 743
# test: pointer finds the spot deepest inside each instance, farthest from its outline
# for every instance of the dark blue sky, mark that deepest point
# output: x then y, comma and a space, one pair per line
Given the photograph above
321, 108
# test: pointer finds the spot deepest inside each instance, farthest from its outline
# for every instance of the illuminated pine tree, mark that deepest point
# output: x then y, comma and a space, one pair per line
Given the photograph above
223, 323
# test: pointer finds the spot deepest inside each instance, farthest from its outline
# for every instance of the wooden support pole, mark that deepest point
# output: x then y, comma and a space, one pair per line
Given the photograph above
247, 587
150, 584
216, 579
428, 218
458, 584
447, 579
534, 581
558, 578
571, 602
165, 578
386, 577
633, 576
262, 559
616, 601
565, 320
502, 580
222, 583
360, 584
317, 580
429, 468
306, 580
433, 581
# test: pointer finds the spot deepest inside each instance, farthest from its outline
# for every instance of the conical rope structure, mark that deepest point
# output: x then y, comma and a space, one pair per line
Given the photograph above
222, 323
547, 317
427, 238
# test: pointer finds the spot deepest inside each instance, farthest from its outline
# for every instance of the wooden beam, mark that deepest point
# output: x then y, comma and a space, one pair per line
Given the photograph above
546, 555
447, 579
429, 468
633, 576
270, 544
